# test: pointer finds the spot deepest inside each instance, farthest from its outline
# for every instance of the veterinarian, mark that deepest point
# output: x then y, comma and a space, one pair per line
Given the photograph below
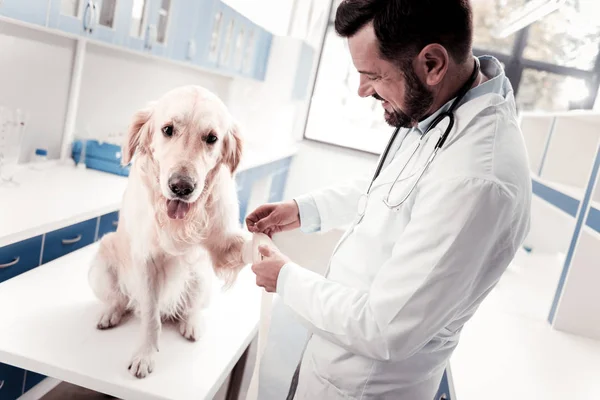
430, 235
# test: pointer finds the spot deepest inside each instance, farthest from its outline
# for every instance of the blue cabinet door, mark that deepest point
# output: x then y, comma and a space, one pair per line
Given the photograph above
108, 223
136, 14
186, 16
11, 382
32, 11
249, 50
96, 19
230, 23
160, 25
106, 15
261, 58
71, 16
208, 37
279, 180
66, 240
19, 257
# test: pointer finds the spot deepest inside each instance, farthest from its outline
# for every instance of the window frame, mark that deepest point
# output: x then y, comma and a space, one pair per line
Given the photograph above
515, 63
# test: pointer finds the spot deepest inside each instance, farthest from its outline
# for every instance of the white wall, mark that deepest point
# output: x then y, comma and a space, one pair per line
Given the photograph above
273, 15
115, 85
318, 165
35, 72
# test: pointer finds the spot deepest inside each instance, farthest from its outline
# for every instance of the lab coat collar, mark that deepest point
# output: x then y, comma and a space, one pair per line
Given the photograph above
497, 83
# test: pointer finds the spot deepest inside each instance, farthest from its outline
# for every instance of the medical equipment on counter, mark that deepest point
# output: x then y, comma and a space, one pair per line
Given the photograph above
100, 156
449, 114
40, 155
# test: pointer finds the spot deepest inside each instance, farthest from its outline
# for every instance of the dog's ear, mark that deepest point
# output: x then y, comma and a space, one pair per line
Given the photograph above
232, 148
137, 135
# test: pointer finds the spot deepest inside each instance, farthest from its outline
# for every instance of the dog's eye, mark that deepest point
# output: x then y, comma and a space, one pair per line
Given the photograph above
168, 130
210, 139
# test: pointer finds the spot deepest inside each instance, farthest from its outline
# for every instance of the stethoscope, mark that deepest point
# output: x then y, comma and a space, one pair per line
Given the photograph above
449, 114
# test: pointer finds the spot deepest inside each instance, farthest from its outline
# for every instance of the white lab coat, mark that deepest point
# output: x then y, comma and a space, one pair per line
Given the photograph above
401, 285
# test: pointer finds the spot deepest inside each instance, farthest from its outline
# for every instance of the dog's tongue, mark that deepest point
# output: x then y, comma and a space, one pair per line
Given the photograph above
177, 209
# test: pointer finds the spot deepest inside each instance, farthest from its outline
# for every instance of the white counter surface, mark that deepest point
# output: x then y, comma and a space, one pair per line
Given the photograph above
49, 318
61, 195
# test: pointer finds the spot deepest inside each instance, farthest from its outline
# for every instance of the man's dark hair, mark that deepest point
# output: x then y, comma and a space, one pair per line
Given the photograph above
405, 27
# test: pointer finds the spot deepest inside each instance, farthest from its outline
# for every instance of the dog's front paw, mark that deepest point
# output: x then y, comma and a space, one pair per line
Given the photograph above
142, 364
110, 318
190, 330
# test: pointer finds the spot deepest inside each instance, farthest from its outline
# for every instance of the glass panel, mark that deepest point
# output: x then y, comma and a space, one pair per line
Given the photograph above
487, 14
227, 48
69, 8
238, 49
569, 36
540, 90
249, 51
214, 39
337, 114
137, 18
107, 13
163, 21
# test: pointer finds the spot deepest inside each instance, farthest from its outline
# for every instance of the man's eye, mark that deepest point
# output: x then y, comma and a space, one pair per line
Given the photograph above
211, 139
168, 130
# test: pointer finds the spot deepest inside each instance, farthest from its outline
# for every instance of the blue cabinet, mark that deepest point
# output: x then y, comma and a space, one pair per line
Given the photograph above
207, 33
11, 382
19, 257
66, 240
108, 223
32, 11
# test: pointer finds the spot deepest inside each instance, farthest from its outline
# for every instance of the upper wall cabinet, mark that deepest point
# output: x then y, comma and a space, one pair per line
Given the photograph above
33, 11
207, 33
96, 19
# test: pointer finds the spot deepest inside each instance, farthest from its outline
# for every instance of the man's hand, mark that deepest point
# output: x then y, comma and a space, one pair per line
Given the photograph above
267, 270
273, 218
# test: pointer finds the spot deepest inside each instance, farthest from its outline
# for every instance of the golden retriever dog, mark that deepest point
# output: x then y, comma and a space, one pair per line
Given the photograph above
179, 217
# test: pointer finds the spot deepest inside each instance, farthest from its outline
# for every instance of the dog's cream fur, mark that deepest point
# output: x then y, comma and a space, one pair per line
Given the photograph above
157, 266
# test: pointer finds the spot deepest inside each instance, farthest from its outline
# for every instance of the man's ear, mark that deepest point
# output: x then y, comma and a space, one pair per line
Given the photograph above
138, 135
232, 148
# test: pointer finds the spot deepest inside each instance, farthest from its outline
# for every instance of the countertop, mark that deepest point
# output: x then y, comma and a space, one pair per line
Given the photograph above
57, 194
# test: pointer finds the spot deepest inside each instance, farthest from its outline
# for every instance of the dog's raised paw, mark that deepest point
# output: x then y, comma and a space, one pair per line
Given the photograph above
190, 330
141, 365
110, 318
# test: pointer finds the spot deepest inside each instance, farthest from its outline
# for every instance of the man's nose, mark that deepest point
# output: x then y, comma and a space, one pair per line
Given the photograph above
364, 88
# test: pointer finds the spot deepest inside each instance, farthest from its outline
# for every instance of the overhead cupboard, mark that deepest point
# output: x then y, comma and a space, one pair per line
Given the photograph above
205, 33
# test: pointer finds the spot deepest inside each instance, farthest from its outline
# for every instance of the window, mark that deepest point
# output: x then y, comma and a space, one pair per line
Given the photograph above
486, 15
540, 90
569, 37
337, 114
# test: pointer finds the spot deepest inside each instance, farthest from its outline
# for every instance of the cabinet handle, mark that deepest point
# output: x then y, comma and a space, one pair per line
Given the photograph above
10, 264
1, 384
95, 16
444, 397
71, 241
86, 14
115, 223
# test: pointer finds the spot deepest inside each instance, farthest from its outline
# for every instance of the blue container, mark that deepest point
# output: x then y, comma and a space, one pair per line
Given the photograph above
100, 156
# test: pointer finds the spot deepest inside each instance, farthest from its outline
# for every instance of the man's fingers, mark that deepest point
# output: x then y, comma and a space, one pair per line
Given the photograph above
265, 223
266, 250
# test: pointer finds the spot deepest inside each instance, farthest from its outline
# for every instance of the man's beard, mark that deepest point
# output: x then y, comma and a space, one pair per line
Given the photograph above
418, 101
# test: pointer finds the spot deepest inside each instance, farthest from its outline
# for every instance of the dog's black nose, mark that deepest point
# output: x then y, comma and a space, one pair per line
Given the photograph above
181, 185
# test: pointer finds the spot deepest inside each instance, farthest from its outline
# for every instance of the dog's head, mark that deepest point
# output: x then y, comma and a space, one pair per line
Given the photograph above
188, 133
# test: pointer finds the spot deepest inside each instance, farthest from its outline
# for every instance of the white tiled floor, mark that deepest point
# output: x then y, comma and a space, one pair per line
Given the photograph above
509, 351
